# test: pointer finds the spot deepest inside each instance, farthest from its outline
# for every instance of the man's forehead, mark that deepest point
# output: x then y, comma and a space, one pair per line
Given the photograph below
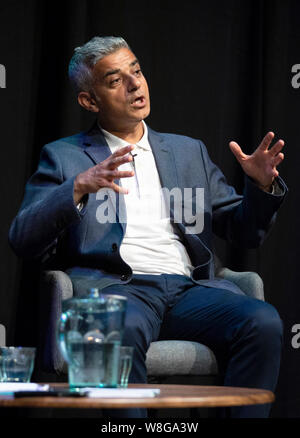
122, 58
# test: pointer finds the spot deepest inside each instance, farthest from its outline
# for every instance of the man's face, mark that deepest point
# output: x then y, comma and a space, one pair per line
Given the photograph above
120, 90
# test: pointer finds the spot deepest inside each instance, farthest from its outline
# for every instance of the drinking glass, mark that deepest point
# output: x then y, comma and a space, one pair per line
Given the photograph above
17, 363
126, 355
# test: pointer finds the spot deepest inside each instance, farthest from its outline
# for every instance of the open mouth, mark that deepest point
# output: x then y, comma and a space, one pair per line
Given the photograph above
139, 102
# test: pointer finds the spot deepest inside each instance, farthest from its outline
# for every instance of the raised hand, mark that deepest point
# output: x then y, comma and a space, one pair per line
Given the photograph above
103, 174
261, 166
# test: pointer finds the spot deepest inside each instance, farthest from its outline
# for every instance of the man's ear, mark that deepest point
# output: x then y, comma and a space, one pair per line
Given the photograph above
87, 101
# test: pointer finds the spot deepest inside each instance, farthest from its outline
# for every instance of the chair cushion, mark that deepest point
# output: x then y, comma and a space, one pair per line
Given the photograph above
167, 358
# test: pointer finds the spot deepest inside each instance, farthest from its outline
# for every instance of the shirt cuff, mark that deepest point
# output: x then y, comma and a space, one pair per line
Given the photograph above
79, 206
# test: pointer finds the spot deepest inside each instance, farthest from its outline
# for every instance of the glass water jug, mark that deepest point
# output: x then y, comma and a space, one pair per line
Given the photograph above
90, 333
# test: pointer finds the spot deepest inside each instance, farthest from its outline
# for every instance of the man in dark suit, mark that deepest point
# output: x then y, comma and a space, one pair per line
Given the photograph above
163, 265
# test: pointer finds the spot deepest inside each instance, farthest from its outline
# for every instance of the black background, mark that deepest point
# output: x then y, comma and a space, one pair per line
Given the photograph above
217, 70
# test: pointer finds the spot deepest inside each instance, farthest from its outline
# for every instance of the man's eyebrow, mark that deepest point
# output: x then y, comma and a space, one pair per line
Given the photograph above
113, 72
136, 61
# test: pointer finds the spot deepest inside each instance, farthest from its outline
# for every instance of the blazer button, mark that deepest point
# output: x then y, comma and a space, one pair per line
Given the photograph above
114, 247
124, 277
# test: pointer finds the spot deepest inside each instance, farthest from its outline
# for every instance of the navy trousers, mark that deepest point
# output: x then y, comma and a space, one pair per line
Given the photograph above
244, 333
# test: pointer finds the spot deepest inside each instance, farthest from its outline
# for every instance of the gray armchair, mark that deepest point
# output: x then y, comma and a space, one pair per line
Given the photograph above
167, 361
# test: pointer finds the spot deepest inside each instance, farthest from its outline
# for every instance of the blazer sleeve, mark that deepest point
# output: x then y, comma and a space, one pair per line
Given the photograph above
47, 209
243, 220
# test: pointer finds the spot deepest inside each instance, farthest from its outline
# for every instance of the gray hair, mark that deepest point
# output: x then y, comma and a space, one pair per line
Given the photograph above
86, 56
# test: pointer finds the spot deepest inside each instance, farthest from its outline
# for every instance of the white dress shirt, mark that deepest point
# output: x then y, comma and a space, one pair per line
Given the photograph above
150, 245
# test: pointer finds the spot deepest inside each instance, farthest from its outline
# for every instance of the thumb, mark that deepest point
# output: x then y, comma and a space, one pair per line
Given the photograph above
237, 151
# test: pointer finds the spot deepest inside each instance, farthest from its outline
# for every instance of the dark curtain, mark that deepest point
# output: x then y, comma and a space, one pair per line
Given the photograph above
217, 70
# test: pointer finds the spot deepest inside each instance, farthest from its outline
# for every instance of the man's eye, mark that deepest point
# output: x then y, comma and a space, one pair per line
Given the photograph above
138, 72
114, 81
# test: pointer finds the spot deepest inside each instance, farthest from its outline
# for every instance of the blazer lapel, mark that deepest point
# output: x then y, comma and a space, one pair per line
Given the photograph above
96, 147
164, 159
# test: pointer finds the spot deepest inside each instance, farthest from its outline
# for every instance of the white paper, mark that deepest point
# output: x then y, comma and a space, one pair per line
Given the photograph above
11, 387
121, 392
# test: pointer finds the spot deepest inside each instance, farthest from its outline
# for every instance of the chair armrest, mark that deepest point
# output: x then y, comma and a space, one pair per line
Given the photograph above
249, 282
54, 287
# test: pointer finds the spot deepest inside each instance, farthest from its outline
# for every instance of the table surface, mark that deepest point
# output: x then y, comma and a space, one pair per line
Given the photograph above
171, 396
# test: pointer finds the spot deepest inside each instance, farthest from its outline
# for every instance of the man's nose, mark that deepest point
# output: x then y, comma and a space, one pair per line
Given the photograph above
133, 83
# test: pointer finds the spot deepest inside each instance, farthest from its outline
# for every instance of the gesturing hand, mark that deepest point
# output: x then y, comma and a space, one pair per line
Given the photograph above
103, 174
261, 165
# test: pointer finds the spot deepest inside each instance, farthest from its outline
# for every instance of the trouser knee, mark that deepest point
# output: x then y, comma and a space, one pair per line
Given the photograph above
265, 323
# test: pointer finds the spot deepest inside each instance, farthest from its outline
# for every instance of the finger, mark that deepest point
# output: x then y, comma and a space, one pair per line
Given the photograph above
117, 174
266, 141
119, 153
119, 189
123, 151
277, 147
118, 161
237, 151
278, 159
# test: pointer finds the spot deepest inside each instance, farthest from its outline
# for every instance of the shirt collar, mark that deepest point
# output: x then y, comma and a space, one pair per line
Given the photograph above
115, 142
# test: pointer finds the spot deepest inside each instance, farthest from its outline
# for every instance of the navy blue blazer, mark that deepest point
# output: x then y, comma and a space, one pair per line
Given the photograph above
50, 227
